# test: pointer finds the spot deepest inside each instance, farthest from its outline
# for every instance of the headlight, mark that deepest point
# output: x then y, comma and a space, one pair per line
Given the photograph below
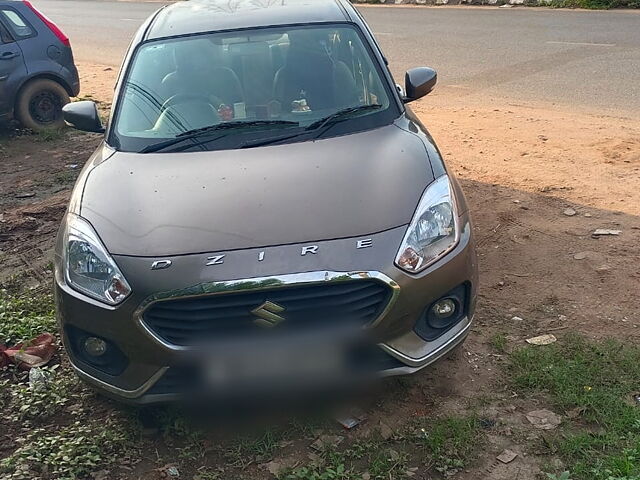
88, 267
433, 230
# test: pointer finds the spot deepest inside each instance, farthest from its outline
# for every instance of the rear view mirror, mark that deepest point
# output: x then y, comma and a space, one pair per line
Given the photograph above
419, 82
83, 116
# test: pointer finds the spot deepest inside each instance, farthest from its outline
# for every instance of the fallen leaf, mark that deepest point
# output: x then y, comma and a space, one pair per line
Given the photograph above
385, 431
326, 441
276, 467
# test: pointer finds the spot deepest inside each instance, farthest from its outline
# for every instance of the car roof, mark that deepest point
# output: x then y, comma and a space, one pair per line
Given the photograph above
196, 16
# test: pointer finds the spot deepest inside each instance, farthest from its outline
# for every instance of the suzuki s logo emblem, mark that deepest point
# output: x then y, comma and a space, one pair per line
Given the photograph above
267, 314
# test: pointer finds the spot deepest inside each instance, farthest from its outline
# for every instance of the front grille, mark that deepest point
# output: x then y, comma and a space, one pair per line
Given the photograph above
186, 321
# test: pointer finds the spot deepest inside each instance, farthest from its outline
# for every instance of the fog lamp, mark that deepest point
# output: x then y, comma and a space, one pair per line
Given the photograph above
442, 310
95, 347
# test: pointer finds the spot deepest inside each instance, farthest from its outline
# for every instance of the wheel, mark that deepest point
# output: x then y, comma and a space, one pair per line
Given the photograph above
40, 103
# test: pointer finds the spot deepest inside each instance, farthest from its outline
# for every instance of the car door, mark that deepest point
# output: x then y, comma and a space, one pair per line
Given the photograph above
12, 68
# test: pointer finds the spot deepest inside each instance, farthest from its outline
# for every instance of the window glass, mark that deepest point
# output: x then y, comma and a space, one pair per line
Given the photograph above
291, 77
19, 26
4, 35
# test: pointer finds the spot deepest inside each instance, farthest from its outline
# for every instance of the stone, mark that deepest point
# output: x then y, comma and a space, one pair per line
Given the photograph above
173, 472
605, 231
507, 456
544, 419
547, 339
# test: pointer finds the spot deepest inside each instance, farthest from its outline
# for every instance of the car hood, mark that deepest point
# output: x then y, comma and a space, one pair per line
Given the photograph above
177, 203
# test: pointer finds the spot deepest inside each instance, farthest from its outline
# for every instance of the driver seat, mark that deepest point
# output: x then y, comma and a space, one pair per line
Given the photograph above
197, 72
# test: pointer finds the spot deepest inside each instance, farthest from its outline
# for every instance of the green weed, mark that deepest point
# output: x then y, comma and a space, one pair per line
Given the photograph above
50, 134
499, 342
599, 380
29, 403
450, 441
71, 452
25, 315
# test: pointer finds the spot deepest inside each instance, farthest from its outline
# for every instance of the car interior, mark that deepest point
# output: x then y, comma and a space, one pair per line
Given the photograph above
297, 74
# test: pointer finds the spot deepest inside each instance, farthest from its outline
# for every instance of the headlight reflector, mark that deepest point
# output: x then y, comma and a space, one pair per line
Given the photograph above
433, 231
87, 265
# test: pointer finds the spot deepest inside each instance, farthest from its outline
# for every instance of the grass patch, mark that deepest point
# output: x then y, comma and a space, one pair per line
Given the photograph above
71, 452
50, 134
445, 445
332, 469
595, 4
499, 342
65, 177
38, 404
599, 380
25, 315
449, 441
249, 449
366, 458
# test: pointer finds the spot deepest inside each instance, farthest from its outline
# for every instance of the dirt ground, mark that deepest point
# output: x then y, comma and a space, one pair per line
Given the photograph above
539, 178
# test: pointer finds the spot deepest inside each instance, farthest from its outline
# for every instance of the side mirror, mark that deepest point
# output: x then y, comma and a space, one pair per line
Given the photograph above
419, 82
83, 116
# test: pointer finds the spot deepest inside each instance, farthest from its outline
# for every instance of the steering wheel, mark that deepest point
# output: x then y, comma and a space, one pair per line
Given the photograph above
179, 98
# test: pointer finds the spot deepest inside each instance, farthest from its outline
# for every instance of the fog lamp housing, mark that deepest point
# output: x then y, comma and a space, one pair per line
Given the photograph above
443, 314
94, 346
96, 352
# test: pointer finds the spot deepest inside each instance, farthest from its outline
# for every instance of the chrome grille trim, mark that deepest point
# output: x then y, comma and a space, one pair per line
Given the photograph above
257, 284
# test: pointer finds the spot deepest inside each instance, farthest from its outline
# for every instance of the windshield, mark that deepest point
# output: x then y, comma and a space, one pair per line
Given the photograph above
250, 85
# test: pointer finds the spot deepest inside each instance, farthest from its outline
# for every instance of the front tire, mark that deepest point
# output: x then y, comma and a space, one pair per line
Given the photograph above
39, 105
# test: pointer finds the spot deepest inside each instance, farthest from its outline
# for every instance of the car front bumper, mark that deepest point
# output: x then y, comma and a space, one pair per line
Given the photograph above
148, 361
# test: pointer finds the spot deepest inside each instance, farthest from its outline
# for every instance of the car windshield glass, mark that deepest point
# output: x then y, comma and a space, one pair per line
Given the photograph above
258, 81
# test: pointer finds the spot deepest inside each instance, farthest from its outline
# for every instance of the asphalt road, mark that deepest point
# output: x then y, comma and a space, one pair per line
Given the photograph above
581, 58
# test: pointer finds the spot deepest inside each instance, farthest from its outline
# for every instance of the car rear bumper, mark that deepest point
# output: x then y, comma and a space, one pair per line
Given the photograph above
145, 367
70, 75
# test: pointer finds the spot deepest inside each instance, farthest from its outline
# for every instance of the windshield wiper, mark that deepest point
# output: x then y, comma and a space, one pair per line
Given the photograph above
204, 131
236, 124
261, 142
317, 125
339, 116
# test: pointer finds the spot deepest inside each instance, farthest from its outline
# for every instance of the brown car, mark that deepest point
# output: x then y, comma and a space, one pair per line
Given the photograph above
265, 212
